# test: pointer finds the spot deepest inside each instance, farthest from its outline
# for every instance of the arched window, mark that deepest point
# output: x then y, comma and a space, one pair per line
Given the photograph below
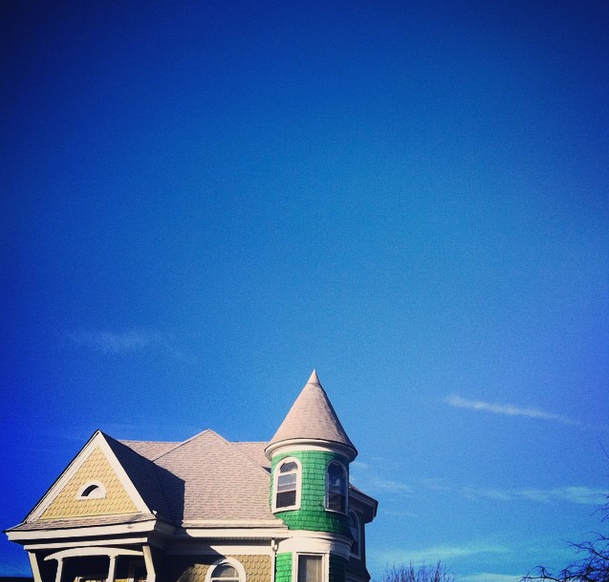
336, 487
92, 490
355, 534
224, 573
287, 485
225, 570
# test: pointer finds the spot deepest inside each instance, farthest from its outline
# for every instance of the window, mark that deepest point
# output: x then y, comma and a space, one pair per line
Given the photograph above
287, 485
309, 568
225, 570
225, 573
92, 490
336, 487
355, 534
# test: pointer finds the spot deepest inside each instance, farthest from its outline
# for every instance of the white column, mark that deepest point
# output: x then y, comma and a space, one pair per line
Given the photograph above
150, 573
34, 566
111, 569
59, 569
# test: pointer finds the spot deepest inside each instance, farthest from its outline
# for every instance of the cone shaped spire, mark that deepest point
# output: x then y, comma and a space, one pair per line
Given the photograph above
312, 420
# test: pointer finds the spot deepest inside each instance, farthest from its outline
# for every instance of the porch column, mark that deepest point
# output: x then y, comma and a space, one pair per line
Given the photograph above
34, 566
150, 573
59, 569
111, 568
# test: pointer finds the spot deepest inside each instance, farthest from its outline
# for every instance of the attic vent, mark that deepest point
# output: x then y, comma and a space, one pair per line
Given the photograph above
92, 490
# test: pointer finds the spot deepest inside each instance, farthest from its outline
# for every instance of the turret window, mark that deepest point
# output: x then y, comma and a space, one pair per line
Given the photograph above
355, 534
336, 487
287, 485
310, 568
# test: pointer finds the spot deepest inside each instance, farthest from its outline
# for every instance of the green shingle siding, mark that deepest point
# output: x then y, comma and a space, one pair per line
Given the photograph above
283, 567
312, 515
338, 569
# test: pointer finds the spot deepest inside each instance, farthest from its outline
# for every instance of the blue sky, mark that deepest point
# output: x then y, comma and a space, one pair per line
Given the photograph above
203, 201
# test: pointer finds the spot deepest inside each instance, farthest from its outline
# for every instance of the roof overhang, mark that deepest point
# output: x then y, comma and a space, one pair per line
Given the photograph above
299, 444
41, 534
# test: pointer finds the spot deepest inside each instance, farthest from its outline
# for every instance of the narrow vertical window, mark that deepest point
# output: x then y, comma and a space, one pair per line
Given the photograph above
355, 534
309, 568
336, 487
287, 485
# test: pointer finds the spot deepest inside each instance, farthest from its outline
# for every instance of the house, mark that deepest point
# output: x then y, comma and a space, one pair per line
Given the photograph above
207, 510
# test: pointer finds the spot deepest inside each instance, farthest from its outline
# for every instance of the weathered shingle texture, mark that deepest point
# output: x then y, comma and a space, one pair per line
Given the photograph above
312, 417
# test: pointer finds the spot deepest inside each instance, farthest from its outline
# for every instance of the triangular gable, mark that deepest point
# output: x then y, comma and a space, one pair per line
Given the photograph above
95, 464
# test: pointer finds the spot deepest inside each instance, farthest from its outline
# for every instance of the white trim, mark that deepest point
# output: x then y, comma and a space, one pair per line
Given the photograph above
309, 542
90, 531
34, 565
235, 533
295, 445
325, 566
59, 570
98, 485
277, 473
150, 571
225, 561
111, 569
96, 441
215, 523
83, 552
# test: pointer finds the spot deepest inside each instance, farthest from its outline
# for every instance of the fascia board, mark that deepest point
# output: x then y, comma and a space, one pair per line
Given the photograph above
236, 533
93, 531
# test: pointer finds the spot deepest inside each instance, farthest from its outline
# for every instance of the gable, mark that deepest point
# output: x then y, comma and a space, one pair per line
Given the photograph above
95, 469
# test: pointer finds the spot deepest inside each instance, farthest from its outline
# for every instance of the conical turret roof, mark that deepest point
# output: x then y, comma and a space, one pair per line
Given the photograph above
312, 420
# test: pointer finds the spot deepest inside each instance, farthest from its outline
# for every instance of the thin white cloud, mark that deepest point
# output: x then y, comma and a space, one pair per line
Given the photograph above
507, 410
432, 555
129, 341
112, 342
389, 485
572, 494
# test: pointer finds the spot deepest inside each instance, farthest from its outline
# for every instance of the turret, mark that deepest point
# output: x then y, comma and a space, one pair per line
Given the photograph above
310, 455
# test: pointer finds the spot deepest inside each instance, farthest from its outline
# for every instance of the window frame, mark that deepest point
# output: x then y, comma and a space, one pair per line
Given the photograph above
345, 492
97, 490
225, 561
323, 565
357, 540
298, 485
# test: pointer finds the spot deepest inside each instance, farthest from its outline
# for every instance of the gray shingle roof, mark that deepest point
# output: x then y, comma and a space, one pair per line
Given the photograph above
312, 418
207, 478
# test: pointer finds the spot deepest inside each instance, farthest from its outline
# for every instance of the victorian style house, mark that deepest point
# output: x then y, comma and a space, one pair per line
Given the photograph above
207, 510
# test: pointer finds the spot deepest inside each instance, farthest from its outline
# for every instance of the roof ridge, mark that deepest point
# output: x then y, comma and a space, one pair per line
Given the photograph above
155, 472
182, 443
247, 455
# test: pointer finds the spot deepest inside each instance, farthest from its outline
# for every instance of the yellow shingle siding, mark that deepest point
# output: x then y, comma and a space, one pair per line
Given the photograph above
95, 468
257, 568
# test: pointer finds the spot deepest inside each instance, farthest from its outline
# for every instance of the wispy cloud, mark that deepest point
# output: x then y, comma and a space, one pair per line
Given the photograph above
390, 485
508, 410
571, 494
444, 553
113, 342
129, 341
